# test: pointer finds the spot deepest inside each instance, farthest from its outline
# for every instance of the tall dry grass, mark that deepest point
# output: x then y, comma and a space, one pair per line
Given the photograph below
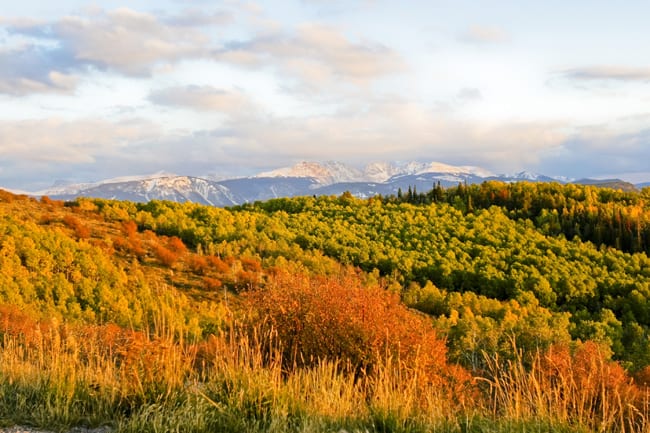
582, 388
57, 375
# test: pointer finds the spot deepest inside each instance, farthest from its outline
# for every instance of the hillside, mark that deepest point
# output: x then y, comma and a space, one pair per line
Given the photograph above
425, 311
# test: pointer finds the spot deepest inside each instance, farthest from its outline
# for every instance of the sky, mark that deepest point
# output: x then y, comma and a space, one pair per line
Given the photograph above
96, 90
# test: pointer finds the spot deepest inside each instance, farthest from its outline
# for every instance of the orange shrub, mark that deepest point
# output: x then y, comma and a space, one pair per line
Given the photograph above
131, 244
16, 323
339, 318
6, 196
246, 280
166, 257
176, 244
198, 264
587, 387
218, 265
211, 283
250, 264
46, 218
80, 229
130, 228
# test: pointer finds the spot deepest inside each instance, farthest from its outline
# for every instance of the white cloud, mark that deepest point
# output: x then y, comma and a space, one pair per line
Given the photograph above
141, 44
394, 129
203, 98
122, 40
69, 142
388, 130
127, 41
194, 17
317, 55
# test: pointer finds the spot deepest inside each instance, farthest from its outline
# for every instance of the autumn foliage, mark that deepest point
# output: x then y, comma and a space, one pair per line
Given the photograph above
579, 385
339, 318
81, 230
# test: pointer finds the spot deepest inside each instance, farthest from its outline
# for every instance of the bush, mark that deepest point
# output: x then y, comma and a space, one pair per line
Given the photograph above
80, 229
337, 317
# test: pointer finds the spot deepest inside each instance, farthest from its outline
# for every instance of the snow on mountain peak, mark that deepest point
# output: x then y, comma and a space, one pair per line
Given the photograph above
66, 188
411, 168
380, 171
439, 167
331, 172
325, 173
526, 175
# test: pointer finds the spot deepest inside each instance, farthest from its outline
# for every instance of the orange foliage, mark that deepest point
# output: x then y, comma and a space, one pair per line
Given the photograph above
46, 218
166, 256
198, 264
246, 280
588, 369
14, 322
80, 229
592, 388
338, 318
176, 245
218, 265
131, 244
211, 283
6, 196
167, 250
250, 264
136, 353
130, 228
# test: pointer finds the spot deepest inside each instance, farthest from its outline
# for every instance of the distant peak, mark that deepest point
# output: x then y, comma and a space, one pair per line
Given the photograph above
330, 172
326, 173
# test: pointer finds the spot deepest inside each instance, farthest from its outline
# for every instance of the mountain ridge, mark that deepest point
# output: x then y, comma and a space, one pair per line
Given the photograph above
303, 178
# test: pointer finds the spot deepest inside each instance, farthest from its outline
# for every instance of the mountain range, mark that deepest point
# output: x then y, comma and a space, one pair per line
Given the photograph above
304, 178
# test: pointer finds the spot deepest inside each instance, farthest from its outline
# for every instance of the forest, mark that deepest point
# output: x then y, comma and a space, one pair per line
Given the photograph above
491, 307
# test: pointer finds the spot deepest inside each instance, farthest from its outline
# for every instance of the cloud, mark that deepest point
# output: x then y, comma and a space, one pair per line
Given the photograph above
316, 54
614, 73
392, 130
194, 17
484, 35
32, 68
122, 40
202, 98
137, 44
55, 141
127, 41
591, 151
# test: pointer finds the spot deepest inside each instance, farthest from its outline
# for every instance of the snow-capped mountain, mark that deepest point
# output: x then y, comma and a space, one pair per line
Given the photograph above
380, 171
174, 188
325, 173
439, 167
62, 187
332, 172
533, 177
304, 178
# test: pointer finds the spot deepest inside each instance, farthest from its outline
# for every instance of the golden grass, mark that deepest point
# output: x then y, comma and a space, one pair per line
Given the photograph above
58, 375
